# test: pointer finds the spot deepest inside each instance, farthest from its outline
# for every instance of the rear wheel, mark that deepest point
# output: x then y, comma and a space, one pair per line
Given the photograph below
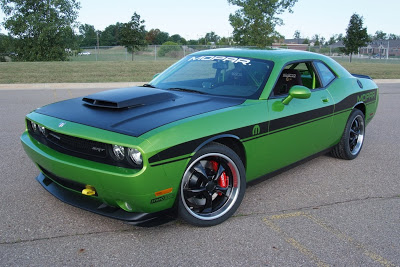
353, 137
212, 187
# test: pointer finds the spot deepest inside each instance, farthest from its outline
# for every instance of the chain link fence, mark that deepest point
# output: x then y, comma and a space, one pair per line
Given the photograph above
151, 52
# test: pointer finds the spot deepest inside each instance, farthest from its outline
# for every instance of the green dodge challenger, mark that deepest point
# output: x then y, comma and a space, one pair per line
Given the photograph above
191, 139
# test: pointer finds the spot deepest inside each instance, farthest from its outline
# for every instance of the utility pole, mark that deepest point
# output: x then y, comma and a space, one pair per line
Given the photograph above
387, 52
97, 36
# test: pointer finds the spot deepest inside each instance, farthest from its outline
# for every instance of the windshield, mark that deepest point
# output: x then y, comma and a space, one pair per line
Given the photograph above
216, 75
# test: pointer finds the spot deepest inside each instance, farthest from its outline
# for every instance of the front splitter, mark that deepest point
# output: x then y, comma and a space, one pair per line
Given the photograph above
98, 207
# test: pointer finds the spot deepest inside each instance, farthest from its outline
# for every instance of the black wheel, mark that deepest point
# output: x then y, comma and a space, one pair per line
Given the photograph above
353, 137
212, 187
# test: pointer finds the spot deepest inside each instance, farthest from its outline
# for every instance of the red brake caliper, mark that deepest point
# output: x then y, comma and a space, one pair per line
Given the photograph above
223, 179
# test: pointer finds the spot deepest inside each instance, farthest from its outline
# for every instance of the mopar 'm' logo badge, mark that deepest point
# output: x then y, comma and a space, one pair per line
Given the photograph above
61, 124
256, 130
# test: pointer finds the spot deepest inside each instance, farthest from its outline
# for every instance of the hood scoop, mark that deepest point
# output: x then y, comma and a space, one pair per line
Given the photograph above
128, 98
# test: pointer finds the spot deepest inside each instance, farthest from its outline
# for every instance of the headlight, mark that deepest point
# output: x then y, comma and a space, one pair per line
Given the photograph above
34, 126
135, 156
42, 130
119, 152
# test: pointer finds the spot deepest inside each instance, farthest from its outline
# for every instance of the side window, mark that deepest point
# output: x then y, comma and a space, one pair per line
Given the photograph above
325, 73
299, 73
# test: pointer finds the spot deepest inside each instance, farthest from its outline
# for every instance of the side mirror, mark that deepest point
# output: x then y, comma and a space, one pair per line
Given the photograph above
297, 91
155, 75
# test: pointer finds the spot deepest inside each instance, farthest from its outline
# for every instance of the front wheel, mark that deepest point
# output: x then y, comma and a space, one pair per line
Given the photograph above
212, 187
353, 137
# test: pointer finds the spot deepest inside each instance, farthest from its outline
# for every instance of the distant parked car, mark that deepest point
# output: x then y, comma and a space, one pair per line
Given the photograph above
85, 53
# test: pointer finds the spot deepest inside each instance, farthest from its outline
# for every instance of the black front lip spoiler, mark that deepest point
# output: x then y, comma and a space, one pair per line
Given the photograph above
98, 207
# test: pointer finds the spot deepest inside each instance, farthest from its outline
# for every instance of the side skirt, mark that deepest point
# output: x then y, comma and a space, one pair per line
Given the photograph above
286, 168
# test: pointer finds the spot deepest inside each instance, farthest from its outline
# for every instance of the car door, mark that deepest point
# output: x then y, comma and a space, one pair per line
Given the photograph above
301, 127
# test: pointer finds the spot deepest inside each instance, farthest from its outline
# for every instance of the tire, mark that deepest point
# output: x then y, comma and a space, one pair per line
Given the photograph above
353, 137
212, 186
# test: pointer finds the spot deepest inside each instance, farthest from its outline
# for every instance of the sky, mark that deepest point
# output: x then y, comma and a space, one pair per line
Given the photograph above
192, 19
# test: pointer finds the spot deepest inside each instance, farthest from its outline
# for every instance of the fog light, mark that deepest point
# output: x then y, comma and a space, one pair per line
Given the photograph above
119, 152
135, 156
128, 207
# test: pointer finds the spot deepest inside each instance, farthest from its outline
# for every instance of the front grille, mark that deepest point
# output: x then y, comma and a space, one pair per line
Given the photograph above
78, 145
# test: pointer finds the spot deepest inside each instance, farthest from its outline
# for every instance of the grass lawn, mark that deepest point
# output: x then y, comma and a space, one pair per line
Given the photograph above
140, 70
82, 72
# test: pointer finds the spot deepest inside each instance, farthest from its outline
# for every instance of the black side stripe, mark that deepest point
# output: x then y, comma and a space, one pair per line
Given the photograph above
275, 126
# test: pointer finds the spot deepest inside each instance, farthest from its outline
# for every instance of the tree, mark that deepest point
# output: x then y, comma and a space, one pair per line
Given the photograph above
316, 40
133, 34
332, 39
393, 36
42, 29
380, 35
162, 37
156, 37
322, 41
152, 35
169, 49
6, 43
176, 38
88, 35
111, 35
212, 37
356, 35
254, 22
297, 36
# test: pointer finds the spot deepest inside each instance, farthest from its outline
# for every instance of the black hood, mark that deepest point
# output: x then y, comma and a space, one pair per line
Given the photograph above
137, 110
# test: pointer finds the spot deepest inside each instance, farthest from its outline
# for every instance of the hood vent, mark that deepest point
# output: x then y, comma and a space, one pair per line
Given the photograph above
128, 98
100, 103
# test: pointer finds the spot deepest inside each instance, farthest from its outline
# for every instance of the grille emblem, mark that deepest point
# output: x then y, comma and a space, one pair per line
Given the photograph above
61, 124
98, 149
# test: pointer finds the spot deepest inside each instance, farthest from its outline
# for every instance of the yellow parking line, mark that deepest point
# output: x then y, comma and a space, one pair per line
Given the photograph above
293, 242
350, 240
374, 256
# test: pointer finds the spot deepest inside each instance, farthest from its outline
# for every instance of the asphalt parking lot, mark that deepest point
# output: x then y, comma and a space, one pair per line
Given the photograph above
325, 212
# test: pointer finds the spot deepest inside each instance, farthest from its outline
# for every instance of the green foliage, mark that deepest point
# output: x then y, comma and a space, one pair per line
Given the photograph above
6, 43
380, 35
88, 35
111, 35
42, 29
170, 49
297, 34
133, 34
255, 21
156, 37
356, 35
393, 36
176, 38
212, 37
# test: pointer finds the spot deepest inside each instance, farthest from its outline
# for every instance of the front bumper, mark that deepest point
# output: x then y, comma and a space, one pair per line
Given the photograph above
98, 207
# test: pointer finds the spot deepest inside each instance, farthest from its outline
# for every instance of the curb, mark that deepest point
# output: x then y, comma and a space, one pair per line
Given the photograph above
53, 86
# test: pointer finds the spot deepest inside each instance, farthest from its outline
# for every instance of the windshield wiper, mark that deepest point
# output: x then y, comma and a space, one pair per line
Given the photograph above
148, 85
186, 90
